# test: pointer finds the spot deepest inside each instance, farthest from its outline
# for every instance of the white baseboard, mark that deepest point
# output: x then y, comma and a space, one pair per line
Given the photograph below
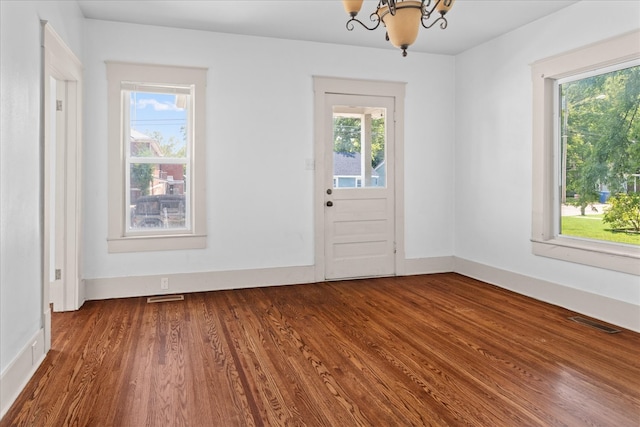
414, 266
616, 312
620, 313
122, 287
16, 376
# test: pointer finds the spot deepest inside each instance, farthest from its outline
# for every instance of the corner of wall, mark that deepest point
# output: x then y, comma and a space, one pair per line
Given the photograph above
432, 265
620, 313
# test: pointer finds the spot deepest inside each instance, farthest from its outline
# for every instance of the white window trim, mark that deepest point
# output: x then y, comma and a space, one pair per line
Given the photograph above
118, 240
545, 239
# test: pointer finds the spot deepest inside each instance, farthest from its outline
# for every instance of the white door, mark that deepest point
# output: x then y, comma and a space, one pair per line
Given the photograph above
359, 205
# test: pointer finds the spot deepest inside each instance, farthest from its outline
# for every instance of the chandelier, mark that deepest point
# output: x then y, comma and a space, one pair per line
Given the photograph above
402, 18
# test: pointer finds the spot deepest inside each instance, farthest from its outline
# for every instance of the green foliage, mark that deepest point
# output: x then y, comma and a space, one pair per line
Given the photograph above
141, 177
623, 212
346, 137
346, 134
601, 133
173, 147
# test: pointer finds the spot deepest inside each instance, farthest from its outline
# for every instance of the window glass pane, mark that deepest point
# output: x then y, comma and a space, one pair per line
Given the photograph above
158, 158
359, 137
165, 211
157, 195
600, 156
158, 123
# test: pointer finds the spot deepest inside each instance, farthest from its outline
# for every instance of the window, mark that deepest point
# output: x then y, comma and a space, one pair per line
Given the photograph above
599, 139
156, 128
586, 154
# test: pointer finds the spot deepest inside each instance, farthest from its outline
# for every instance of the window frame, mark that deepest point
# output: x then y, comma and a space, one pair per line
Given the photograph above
545, 237
119, 238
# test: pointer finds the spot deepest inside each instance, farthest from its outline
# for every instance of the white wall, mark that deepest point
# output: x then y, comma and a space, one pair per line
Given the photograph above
20, 264
493, 188
259, 134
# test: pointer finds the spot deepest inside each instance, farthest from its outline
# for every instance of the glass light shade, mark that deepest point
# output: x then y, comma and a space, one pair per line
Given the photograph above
402, 27
442, 8
352, 7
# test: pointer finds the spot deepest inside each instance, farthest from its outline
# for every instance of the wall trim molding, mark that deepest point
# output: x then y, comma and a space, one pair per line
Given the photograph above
60, 64
616, 312
134, 286
620, 313
16, 376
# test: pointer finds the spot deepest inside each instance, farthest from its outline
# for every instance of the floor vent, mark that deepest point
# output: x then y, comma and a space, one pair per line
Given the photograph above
593, 324
165, 298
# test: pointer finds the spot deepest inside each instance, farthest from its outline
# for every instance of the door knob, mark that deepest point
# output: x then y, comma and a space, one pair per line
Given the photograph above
329, 203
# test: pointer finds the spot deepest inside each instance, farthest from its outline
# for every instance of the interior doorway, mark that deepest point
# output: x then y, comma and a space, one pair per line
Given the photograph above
61, 156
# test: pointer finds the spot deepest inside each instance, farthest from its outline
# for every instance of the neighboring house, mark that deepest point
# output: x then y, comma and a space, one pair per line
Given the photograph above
167, 178
141, 143
633, 183
380, 172
170, 180
347, 171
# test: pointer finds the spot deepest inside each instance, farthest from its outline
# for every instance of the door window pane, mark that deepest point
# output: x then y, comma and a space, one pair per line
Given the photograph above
359, 148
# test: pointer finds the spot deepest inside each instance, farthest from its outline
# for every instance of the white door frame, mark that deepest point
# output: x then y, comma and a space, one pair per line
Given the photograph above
61, 64
331, 85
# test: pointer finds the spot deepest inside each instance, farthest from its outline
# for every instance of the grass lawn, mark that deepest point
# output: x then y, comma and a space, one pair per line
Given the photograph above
592, 227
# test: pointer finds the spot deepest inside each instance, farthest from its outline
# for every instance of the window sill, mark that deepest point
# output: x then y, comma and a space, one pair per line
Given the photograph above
616, 257
156, 243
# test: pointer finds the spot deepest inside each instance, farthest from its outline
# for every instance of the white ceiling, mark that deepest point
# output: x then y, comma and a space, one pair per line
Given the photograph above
471, 22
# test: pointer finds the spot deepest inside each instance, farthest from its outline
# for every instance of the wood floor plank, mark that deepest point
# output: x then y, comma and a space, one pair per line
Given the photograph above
438, 350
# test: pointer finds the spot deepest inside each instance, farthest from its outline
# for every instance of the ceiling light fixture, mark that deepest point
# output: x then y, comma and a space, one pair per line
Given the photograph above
402, 18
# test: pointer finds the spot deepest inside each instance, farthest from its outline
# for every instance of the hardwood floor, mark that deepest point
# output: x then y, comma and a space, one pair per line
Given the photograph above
440, 350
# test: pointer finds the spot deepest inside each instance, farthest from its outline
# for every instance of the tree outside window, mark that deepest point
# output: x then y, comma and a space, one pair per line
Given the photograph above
600, 143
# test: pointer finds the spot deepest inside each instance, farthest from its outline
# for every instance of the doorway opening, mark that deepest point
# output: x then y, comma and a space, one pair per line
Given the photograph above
61, 187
